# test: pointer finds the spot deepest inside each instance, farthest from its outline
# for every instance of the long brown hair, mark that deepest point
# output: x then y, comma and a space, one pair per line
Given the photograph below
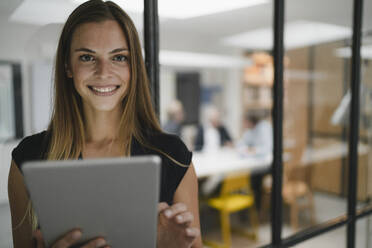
66, 128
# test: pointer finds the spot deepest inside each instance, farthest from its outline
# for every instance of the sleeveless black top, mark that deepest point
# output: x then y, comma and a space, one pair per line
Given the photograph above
34, 147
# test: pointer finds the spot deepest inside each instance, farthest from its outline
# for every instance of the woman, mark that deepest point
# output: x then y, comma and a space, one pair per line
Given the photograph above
102, 108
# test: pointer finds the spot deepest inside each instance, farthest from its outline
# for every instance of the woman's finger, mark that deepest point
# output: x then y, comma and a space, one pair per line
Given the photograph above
96, 243
192, 232
68, 240
162, 206
184, 218
37, 235
175, 209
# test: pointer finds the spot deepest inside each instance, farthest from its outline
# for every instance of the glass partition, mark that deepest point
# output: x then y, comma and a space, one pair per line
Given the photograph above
315, 113
215, 93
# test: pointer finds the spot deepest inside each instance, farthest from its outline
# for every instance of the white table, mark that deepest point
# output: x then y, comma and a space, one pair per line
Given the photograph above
228, 161
329, 152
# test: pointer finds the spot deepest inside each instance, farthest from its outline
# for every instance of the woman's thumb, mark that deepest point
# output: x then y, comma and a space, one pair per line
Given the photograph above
38, 236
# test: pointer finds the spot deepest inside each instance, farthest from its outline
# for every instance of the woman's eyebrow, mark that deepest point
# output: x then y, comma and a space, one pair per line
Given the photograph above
117, 50
83, 49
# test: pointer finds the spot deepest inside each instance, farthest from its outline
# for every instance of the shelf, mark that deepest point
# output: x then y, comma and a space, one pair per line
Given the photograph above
257, 81
267, 105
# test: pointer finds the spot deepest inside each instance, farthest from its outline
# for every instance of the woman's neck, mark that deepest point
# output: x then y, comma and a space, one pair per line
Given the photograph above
102, 126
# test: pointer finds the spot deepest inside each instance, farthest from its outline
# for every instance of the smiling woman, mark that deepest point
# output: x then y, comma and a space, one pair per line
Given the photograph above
99, 65
102, 108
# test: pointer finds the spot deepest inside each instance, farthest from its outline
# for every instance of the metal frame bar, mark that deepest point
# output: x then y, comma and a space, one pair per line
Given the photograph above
17, 96
354, 123
321, 229
151, 39
361, 213
345, 82
18, 103
277, 167
310, 95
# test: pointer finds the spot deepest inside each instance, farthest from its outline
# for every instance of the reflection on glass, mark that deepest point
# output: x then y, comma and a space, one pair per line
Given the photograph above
314, 175
7, 128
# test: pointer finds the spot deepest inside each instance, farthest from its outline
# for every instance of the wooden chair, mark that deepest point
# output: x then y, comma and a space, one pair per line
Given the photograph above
296, 191
235, 195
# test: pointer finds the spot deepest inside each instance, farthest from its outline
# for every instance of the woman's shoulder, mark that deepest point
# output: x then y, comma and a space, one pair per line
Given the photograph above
172, 145
29, 148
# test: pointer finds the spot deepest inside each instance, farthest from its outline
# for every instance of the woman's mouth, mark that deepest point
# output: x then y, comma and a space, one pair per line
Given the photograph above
104, 90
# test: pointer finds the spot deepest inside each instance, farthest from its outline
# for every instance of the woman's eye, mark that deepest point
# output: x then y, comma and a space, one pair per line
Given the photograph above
120, 58
86, 58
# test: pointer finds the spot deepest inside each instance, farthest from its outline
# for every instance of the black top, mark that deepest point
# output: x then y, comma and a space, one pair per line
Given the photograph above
199, 141
34, 147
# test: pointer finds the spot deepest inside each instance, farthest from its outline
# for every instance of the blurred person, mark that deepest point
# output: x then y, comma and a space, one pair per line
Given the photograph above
257, 138
210, 138
175, 115
213, 135
102, 108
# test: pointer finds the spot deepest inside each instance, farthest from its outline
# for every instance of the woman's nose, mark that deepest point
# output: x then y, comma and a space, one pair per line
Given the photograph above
103, 68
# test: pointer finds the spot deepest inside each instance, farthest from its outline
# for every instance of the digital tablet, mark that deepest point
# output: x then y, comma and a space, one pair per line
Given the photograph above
115, 198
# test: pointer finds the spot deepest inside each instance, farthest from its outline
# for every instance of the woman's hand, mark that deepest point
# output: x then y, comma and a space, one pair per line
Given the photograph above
174, 226
69, 239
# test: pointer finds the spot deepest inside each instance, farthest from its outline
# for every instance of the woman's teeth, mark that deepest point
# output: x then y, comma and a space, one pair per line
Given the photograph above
104, 90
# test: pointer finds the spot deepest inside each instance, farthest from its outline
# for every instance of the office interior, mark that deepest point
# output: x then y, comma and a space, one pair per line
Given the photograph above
218, 57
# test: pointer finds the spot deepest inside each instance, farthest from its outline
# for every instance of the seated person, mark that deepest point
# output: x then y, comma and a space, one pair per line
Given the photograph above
175, 115
257, 138
213, 135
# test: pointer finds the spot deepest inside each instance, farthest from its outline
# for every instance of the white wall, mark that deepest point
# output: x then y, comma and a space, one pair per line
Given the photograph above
167, 91
233, 102
41, 95
28, 44
229, 102
21, 43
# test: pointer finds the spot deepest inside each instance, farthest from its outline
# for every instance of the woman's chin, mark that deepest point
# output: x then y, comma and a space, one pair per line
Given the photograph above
104, 107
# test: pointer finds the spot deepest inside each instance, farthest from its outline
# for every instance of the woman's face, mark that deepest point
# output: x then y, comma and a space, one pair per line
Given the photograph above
99, 65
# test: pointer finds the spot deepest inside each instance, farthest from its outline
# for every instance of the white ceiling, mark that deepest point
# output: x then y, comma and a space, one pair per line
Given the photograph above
206, 33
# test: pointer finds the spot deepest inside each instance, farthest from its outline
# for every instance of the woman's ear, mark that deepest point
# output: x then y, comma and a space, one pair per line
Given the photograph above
68, 71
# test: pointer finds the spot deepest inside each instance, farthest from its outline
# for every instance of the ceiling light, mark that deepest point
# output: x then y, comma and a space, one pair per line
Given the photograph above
42, 12
182, 9
191, 59
345, 52
296, 34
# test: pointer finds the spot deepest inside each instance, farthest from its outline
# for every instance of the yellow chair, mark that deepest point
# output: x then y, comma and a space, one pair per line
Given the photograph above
236, 195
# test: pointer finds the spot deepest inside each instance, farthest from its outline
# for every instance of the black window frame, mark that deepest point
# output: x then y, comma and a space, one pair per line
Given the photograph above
17, 97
